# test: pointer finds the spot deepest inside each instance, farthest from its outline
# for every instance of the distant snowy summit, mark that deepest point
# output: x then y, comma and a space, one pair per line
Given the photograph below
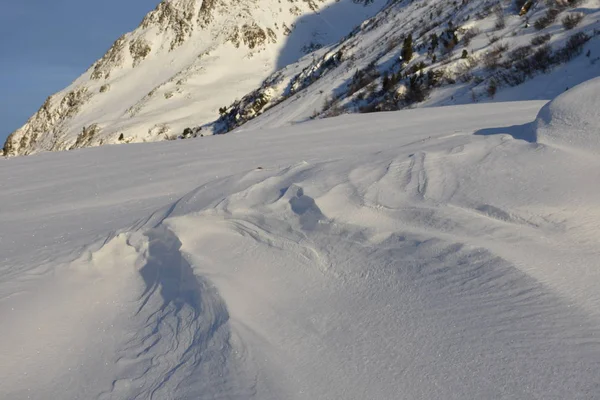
194, 68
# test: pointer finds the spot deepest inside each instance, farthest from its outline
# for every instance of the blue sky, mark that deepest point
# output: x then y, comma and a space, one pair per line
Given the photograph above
45, 45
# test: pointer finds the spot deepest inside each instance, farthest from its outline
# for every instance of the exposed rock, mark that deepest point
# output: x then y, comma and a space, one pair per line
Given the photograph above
234, 37
113, 58
205, 13
191, 132
286, 30
272, 35
86, 136
173, 17
139, 49
253, 35
47, 121
158, 130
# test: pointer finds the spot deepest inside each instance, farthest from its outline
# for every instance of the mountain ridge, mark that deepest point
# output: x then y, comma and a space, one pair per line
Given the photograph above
179, 48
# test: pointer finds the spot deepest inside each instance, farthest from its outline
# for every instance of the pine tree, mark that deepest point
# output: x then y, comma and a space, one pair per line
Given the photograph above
492, 88
407, 49
387, 83
434, 42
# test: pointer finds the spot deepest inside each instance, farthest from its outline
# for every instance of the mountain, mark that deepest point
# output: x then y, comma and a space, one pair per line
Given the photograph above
196, 68
187, 59
433, 53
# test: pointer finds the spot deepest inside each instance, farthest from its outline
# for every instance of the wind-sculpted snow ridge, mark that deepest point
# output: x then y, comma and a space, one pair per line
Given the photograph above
349, 279
182, 347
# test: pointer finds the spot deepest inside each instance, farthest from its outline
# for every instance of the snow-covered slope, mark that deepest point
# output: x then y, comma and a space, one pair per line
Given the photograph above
187, 59
460, 52
571, 120
440, 253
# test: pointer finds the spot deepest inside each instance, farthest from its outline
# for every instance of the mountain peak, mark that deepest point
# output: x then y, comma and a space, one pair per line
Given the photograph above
185, 60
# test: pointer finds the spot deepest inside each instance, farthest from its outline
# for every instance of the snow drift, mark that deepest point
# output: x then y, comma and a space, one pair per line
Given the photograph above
572, 120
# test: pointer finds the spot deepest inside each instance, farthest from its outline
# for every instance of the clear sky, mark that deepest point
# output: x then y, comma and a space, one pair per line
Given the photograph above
47, 44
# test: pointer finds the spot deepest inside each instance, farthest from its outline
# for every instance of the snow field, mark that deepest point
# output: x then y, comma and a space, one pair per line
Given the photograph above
425, 253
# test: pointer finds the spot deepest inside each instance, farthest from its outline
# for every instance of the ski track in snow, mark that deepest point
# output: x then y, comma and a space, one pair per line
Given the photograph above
443, 267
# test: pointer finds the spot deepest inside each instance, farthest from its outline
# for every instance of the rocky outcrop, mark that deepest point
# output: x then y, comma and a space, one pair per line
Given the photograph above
175, 17
139, 49
113, 58
46, 123
86, 136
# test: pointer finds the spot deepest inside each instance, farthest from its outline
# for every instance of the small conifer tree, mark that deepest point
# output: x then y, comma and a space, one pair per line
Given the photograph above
492, 88
407, 48
434, 41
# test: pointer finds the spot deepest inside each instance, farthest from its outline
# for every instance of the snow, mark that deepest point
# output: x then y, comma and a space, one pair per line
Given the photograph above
572, 119
373, 44
428, 254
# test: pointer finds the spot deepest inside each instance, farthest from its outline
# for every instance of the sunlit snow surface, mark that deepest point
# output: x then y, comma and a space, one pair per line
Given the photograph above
444, 253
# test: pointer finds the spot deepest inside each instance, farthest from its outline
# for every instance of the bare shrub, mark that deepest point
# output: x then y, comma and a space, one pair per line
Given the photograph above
362, 78
335, 110
369, 108
540, 39
492, 87
571, 20
437, 77
542, 59
416, 67
392, 43
469, 35
547, 19
567, 3
500, 20
492, 58
464, 68
520, 53
573, 47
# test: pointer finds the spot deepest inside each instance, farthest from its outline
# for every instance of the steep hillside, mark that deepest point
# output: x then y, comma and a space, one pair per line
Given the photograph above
185, 60
431, 53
